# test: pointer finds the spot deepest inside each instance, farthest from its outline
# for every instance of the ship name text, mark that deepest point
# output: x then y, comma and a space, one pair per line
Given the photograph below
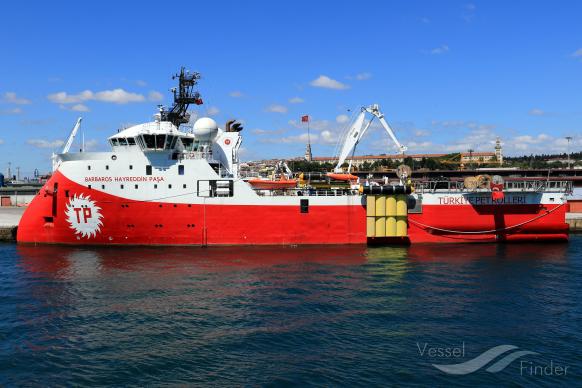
482, 200
89, 179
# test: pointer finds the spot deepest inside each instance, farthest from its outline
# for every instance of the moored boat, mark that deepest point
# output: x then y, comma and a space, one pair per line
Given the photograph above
163, 183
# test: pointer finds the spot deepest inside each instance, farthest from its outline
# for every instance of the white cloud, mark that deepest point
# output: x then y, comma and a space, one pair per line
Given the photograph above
276, 108
296, 100
11, 98
11, 111
536, 112
419, 146
440, 50
80, 108
41, 143
577, 53
314, 125
469, 12
118, 96
212, 111
363, 76
141, 83
325, 137
342, 119
115, 96
90, 145
324, 81
1, 141
421, 133
155, 96
65, 98
236, 94
259, 131
328, 137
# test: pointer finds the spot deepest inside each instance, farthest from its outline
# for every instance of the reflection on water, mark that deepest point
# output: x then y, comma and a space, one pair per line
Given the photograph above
239, 316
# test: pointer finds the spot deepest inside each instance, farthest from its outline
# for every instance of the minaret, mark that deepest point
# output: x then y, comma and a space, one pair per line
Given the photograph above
498, 151
308, 155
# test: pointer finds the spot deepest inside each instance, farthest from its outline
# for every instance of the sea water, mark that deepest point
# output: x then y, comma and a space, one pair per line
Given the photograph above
425, 315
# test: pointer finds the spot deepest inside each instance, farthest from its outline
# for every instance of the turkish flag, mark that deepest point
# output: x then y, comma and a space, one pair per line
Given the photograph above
305, 119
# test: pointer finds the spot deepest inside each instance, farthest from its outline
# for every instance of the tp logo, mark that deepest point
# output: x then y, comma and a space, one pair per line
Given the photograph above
84, 216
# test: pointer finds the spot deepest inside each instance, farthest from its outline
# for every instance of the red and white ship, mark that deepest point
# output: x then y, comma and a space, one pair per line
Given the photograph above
163, 183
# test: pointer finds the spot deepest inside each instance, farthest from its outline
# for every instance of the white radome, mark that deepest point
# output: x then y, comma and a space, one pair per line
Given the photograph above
205, 129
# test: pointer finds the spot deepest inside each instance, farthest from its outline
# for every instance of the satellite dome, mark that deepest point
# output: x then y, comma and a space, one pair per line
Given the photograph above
205, 129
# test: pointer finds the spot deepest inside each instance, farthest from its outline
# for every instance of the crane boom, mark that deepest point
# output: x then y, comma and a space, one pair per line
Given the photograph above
358, 129
72, 136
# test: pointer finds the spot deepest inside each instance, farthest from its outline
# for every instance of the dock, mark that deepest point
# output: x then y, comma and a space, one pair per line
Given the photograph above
10, 217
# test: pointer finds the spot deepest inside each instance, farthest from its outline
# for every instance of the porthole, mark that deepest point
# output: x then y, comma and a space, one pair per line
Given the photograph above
113, 157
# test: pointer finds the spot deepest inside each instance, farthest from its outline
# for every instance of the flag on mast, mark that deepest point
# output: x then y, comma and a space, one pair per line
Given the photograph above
305, 119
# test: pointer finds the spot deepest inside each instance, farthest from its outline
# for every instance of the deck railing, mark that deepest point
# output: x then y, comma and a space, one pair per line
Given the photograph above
531, 185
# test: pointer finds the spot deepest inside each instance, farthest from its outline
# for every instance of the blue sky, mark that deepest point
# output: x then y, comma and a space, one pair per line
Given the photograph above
448, 75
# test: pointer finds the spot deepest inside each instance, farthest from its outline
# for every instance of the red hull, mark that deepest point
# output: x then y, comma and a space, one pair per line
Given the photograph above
149, 223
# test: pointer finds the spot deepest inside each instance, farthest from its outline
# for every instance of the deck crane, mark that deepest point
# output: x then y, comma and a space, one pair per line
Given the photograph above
55, 158
358, 129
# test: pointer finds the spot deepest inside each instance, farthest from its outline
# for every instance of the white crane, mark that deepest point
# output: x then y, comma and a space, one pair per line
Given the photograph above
68, 144
358, 129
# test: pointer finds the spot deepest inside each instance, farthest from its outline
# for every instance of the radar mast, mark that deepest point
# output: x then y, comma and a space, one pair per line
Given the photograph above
184, 95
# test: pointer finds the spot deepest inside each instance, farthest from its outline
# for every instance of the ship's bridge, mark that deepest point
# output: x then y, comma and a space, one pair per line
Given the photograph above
154, 137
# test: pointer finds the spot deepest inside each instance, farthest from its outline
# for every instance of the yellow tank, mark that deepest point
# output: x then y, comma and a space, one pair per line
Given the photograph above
401, 207
370, 206
390, 226
401, 226
380, 227
380, 205
371, 226
391, 205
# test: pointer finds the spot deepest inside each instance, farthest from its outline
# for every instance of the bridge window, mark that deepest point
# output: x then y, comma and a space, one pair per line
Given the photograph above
122, 141
148, 170
130, 141
160, 141
114, 142
188, 143
180, 169
150, 141
169, 142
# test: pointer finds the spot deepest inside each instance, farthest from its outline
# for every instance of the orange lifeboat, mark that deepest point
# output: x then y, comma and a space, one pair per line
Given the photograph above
267, 184
342, 177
